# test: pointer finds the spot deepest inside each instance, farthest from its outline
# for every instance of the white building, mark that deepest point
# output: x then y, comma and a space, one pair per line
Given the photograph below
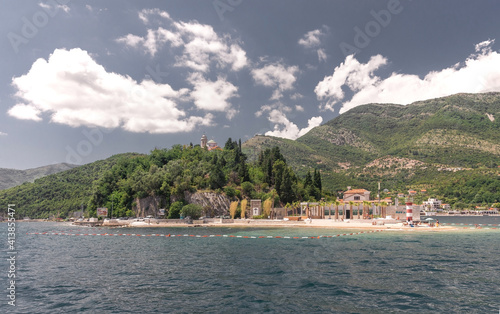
433, 204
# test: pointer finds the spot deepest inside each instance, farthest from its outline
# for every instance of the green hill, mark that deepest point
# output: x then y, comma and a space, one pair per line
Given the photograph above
428, 143
12, 177
63, 192
448, 146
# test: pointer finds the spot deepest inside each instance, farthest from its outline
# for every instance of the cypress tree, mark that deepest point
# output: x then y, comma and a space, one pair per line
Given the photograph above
317, 180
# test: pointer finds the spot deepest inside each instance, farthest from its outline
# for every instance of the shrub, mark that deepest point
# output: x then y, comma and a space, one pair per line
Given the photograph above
175, 210
230, 192
232, 209
192, 210
243, 208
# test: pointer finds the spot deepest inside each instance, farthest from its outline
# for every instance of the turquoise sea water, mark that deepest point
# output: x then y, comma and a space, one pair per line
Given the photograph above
385, 272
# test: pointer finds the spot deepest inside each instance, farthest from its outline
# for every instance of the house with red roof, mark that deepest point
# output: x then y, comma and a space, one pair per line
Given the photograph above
356, 195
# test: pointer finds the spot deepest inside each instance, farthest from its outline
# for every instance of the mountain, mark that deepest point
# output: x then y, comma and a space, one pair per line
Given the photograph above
11, 177
448, 146
65, 191
418, 144
460, 130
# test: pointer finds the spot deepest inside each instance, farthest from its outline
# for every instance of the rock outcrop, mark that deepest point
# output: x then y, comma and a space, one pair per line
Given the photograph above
147, 206
216, 203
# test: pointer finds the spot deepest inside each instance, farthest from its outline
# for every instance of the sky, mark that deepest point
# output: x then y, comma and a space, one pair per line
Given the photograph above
83, 80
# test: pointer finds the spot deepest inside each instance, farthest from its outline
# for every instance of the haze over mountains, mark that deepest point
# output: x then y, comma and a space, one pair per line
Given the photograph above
12, 177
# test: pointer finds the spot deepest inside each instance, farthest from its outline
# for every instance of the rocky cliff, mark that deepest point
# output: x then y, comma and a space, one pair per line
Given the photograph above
215, 203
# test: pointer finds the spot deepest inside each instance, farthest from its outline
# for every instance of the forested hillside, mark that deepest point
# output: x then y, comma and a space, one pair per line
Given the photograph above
12, 177
437, 144
58, 194
119, 181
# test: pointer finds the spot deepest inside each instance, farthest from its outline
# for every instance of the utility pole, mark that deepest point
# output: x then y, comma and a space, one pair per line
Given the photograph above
378, 195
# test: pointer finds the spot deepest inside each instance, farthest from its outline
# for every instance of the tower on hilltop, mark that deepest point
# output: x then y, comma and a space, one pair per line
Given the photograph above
203, 141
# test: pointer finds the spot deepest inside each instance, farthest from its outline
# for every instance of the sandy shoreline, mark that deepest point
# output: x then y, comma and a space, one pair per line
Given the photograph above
315, 223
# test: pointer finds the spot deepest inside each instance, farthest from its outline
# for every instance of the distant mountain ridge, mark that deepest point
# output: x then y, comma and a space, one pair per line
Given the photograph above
448, 147
12, 177
460, 131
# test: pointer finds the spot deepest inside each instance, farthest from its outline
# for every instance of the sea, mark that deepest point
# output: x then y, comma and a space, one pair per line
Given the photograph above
60, 268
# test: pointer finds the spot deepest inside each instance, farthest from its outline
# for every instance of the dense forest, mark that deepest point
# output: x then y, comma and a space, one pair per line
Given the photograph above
118, 181
168, 173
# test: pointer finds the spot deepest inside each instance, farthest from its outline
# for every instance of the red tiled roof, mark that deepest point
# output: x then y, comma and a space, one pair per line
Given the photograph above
356, 191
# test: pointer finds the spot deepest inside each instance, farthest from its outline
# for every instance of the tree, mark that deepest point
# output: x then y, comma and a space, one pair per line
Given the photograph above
175, 209
243, 207
232, 209
286, 194
278, 169
317, 180
308, 180
192, 210
217, 177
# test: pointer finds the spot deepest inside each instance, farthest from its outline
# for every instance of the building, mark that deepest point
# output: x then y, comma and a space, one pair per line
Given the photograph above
210, 145
356, 195
256, 207
203, 143
433, 204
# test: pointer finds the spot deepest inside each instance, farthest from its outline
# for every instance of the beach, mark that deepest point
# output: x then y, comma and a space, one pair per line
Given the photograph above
359, 224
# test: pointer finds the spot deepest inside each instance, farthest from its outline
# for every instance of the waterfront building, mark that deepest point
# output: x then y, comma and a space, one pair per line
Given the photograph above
433, 204
356, 195
256, 206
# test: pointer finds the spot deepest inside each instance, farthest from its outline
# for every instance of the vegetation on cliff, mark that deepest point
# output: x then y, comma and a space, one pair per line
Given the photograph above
443, 145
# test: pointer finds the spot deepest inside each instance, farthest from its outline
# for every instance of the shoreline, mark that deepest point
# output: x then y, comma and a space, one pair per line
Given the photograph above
315, 223
389, 225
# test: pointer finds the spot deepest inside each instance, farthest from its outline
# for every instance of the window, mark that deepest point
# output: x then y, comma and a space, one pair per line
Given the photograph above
356, 198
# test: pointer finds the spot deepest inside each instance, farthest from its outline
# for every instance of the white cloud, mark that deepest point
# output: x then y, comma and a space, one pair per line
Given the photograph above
479, 73
322, 55
3, 134
313, 38
76, 91
484, 47
276, 106
25, 112
213, 96
200, 45
277, 76
57, 7
299, 108
89, 7
146, 14
153, 40
131, 40
287, 129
